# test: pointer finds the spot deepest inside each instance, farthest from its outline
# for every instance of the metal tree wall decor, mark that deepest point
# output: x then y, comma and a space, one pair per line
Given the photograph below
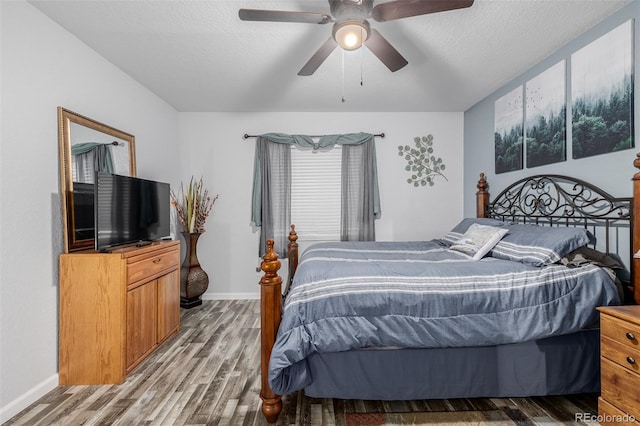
423, 165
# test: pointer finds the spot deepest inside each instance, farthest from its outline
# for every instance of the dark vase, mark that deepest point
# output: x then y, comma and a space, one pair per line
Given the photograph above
193, 280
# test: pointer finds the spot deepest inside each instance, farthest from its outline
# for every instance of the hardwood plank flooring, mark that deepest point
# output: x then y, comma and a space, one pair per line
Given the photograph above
208, 374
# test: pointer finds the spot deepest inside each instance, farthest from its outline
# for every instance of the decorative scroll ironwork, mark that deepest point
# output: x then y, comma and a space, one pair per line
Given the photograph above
554, 197
555, 200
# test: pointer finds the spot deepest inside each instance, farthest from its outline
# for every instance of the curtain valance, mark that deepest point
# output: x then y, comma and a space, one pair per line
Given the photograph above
326, 141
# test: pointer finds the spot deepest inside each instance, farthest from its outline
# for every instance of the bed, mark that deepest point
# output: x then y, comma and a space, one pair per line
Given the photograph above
458, 316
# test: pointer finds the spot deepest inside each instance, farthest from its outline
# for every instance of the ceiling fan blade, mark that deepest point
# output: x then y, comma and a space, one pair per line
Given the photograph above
385, 51
283, 16
398, 9
319, 57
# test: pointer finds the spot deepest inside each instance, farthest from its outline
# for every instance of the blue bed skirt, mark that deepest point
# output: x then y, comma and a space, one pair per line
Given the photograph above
559, 365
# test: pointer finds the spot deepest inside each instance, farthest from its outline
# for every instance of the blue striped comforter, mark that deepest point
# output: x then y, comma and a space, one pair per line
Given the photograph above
419, 294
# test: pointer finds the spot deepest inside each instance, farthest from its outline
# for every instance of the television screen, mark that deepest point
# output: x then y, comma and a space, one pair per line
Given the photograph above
129, 210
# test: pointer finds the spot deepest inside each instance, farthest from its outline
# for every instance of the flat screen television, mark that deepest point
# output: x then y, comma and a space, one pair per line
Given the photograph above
129, 210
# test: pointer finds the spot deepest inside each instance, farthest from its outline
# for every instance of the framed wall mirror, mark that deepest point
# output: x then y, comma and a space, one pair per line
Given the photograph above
87, 146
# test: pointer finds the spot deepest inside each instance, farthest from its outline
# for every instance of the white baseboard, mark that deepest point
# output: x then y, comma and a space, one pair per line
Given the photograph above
230, 296
32, 395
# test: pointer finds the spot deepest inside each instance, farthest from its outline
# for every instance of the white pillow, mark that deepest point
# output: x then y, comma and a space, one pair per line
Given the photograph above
479, 240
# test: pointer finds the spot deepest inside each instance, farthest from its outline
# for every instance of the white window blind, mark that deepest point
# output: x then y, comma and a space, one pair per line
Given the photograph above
315, 193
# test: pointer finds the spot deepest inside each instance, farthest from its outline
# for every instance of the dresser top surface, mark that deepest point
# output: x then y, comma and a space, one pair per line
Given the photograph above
629, 313
129, 250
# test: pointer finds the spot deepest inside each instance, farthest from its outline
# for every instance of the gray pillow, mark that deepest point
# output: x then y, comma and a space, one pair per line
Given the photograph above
478, 240
540, 245
456, 233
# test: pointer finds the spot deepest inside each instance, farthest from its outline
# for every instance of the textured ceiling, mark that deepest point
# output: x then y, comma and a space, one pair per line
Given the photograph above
198, 56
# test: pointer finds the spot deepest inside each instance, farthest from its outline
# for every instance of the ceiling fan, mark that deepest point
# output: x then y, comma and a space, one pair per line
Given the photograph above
351, 28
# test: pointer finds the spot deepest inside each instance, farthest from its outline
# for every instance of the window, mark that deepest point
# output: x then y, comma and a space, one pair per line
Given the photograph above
316, 193
316, 184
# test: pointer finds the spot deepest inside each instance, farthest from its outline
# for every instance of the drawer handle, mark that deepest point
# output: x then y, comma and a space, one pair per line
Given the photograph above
630, 336
159, 259
630, 360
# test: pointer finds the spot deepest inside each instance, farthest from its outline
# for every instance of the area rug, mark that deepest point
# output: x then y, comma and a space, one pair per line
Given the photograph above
306, 411
493, 417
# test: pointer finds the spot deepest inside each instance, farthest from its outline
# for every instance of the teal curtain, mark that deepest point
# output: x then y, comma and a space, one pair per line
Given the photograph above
360, 200
271, 180
103, 159
272, 193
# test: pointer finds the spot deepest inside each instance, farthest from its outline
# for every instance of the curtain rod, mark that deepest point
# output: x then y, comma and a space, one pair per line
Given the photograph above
247, 136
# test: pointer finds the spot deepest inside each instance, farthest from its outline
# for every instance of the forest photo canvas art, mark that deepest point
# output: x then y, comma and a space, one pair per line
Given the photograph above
545, 112
509, 134
602, 94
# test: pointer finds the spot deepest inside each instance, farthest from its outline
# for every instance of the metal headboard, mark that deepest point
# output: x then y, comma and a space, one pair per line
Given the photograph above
555, 200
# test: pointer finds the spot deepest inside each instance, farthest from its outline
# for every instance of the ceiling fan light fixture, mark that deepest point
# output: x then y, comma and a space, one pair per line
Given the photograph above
351, 35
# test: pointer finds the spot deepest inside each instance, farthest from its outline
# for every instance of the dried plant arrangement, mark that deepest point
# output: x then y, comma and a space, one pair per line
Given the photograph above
193, 205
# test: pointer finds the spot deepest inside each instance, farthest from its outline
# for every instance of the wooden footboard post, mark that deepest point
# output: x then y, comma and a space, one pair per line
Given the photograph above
270, 312
482, 197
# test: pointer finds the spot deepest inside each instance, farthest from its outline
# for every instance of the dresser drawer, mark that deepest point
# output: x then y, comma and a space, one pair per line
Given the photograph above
610, 415
142, 268
621, 354
619, 331
620, 387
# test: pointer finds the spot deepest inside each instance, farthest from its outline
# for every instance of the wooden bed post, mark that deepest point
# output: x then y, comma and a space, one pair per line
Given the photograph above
270, 313
635, 275
482, 197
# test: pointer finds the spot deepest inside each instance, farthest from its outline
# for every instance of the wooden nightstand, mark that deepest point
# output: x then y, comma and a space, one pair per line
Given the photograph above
619, 401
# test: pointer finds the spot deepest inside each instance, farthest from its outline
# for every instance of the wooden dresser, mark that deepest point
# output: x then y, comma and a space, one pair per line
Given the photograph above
619, 402
115, 310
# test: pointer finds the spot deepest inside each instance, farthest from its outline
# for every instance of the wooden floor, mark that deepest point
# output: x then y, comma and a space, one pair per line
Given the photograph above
208, 375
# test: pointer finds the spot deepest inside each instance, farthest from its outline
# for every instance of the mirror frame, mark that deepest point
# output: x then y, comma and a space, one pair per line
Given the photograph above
65, 118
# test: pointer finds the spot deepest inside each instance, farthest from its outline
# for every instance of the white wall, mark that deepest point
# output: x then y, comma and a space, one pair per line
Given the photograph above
214, 148
42, 67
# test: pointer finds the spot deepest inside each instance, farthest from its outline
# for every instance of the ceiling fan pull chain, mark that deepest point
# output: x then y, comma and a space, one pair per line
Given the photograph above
342, 78
361, 65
